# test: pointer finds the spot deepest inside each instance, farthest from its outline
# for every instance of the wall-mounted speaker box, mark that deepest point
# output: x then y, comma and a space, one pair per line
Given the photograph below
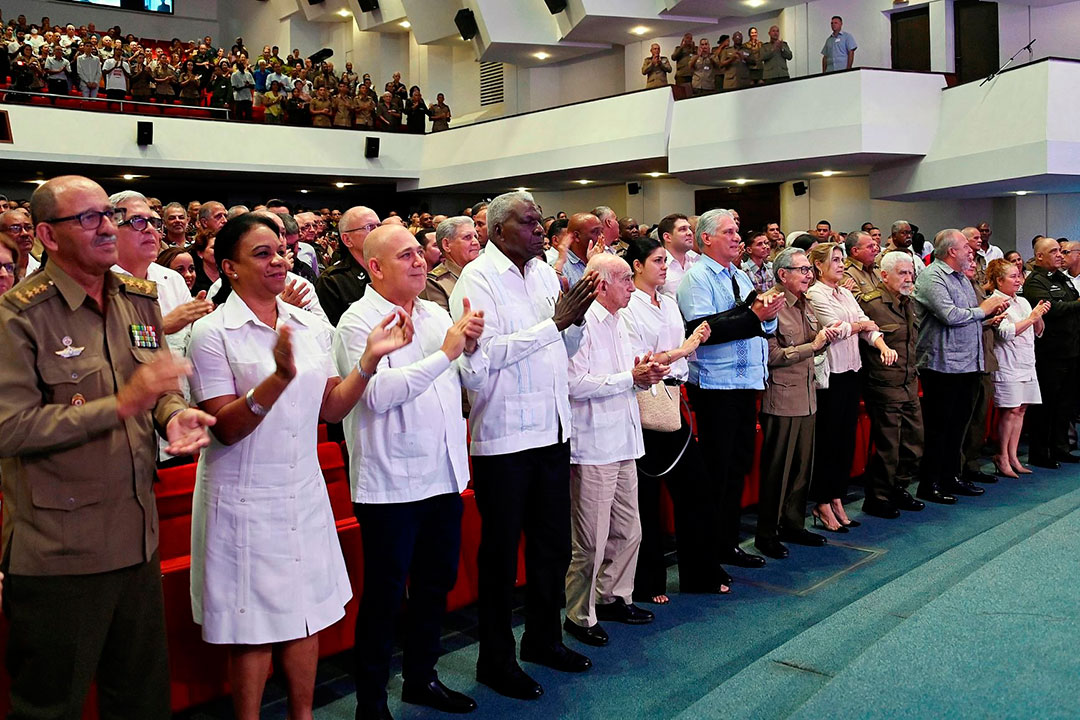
371, 147
466, 24
368, 5
144, 135
556, 6
633, 188
799, 188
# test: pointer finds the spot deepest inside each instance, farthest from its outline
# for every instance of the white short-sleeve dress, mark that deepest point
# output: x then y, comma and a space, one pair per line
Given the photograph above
266, 564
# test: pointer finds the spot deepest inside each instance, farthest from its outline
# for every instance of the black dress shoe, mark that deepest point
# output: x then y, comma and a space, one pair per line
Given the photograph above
373, 712
509, 680
740, 558
1066, 457
620, 611
978, 476
903, 500
773, 548
959, 486
438, 696
934, 494
802, 536
1044, 462
595, 635
557, 657
881, 508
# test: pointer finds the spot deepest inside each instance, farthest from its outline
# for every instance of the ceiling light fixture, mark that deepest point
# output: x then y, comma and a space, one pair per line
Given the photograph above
741, 181
305, 192
128, 176
639, 30
827, 173
38, 182
541, 55
583, 182
754, 3
1021, 193
339, 184
344, 13
521, 189
655, 174
405, 24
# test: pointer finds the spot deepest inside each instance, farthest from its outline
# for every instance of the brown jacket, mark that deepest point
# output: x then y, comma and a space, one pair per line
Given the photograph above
895, 317
440, 283
77, 482
791, 391
866, 281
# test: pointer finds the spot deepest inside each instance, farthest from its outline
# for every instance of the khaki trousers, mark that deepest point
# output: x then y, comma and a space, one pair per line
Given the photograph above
605, 532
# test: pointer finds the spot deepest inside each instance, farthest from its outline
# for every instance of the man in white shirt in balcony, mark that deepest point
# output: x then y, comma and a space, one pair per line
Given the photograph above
606, 440
407, 438
116, 71
520, 425
88, 70
678, 239
839, 50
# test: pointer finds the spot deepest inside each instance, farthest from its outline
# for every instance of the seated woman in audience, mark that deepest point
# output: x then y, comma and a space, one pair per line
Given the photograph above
416, 111
206, 269
838, 395
181, 260
1015, 383
364, 119
190, 83
9, 259
673, 457
267, 573
273, 102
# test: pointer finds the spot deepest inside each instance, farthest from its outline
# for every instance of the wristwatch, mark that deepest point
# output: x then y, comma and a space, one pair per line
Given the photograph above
254, 407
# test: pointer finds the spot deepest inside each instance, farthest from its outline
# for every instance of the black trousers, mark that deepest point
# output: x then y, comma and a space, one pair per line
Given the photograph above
693, 493
419, 541
1048, 423
727, 420
116, 94
242, 110
68, 629
834, 439
948, 404
524, 491
897, 431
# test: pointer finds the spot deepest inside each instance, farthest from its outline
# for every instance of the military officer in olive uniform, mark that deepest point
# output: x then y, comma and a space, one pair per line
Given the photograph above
343, 283
84, 386
891, 392
860, 265
460, 245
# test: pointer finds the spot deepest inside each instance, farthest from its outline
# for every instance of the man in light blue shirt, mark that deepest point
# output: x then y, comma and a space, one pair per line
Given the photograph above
839, 50
727, 372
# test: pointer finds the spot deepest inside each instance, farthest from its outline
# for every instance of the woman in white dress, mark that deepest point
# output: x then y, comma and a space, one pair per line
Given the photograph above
1015, 383
267, 571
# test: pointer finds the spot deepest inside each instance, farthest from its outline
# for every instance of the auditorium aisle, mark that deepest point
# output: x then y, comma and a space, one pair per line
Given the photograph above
968, 611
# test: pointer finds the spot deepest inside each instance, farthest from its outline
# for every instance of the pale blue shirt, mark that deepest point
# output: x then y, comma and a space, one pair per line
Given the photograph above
736, 365
836, 50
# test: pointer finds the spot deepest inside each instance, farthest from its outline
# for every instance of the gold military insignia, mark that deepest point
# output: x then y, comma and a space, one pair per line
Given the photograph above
26, 294
139, 286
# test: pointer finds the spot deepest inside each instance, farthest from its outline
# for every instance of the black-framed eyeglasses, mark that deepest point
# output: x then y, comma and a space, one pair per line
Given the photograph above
369, 227
91, 219
805, 269
9, 268
139, 223
18, 228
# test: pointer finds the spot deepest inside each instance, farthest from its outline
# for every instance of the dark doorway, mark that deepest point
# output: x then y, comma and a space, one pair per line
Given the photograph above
976, 39
757, 205
911, 40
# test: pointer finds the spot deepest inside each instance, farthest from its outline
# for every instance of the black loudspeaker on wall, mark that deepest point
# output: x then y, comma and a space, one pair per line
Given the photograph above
144, 135
799, 188
315, 2
368, 5
633, 188
371, 147
466, 24
555, 6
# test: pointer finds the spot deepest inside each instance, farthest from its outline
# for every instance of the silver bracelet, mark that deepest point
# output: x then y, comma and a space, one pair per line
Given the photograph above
254, 407
363, 373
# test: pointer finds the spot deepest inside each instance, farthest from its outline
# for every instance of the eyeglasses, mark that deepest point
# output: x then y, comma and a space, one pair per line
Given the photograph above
369, 227
139, 223
805, 269
91, 219
9, 268
18, 228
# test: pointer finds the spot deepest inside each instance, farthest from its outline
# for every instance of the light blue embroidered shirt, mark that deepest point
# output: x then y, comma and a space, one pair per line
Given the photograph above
737, 365
836, 50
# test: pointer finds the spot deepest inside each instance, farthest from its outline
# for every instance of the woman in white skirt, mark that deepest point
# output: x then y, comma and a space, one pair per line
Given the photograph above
267, 572
1015, 383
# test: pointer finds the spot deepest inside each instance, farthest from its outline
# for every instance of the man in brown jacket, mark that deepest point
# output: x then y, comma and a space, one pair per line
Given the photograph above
891, 392
787, 412
83, 387
861, 262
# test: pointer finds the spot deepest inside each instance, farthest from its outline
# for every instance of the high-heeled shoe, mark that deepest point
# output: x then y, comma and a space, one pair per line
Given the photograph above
851, 523
1019, 468
1006, 471
819, 522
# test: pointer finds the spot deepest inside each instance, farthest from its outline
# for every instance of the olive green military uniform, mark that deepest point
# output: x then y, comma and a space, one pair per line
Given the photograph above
80, 525
866, 281
892, 396
440, 283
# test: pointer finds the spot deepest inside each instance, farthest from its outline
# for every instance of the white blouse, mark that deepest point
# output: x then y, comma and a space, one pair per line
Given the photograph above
1015, 353
839, 305
656, 329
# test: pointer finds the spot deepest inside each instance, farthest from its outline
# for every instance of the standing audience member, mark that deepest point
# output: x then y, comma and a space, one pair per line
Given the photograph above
984, 396
416, 112
406, 486
83, 588
860, 265
440, 114
9, 259
16, 224
1056, 353
683, 55
243, 88
678, 239
655, 68
1016, 383
757, 265
456, 237
343, 283
734, 62
838, 52
839, 390
900, 235
703, 66
891, 392
950, 358
88, 70
520, 425
116, 71
774, 58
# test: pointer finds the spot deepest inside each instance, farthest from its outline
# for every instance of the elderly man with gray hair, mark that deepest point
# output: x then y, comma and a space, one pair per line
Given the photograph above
609, 221
949, 357
891, 392
728, 370
900, 236
457, 239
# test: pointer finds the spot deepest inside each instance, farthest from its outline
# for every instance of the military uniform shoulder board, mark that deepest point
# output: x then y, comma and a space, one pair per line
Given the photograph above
438, 271
138, 286
31, 291
872, 295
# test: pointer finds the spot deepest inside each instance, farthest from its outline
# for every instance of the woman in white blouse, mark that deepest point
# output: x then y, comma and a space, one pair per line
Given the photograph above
267, 571
655, 326
1015, 383
838, 403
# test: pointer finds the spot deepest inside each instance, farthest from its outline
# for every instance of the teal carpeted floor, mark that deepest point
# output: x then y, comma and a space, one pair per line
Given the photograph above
962, 611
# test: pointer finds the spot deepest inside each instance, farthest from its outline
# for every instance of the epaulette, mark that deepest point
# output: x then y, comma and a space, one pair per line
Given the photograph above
31, 291
138, 286
872, 295
438, 271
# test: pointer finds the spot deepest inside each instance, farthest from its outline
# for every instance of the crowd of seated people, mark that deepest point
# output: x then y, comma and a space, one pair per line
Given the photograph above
80, 60
532, 326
